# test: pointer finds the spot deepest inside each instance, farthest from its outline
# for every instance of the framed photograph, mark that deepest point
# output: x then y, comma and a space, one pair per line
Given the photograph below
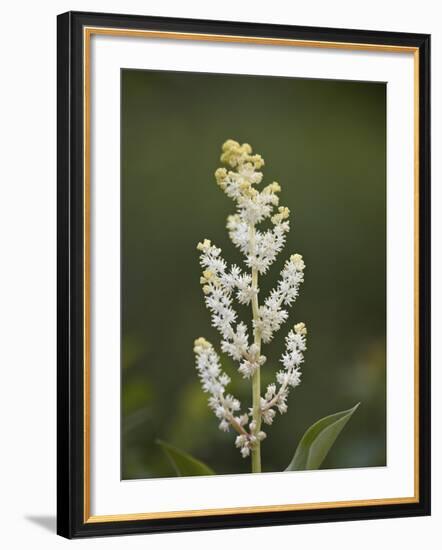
243, 274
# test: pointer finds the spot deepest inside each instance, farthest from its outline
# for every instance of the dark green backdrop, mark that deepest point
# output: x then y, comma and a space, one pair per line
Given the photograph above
325, 142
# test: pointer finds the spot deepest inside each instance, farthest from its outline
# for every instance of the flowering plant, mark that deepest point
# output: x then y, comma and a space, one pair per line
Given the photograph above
222, 284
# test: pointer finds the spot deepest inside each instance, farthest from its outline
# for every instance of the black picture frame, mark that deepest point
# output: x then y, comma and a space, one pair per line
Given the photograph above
71, 503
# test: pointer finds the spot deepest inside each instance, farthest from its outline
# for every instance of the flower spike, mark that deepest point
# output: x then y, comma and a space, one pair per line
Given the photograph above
239, 180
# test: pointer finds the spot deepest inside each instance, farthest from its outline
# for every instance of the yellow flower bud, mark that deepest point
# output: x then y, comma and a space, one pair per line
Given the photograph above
284, 211
230, 144
300, 328
220, 176
272, 188
201, 344
258, 161
297, 260
204, 246
207, 274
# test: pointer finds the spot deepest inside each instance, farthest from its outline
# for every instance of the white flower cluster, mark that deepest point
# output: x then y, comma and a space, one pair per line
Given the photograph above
267, 244
214, 381
245, 442
220, 285
289, 377
271, 314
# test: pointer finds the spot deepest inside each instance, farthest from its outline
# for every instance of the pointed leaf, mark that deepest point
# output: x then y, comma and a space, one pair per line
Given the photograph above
183, 463
318, 440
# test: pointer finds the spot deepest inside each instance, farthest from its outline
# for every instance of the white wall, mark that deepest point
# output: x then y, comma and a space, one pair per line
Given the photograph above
27, 270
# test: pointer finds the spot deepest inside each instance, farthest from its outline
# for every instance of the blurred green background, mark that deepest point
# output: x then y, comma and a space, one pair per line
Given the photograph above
325, 143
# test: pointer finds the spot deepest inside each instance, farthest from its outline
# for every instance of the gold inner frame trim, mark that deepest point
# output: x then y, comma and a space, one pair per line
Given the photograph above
88, 32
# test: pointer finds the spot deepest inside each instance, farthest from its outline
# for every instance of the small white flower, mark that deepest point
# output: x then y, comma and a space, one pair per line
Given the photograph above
245, 451
248, 368
243, 419
241, 440
224, 425
271, 390
268, 416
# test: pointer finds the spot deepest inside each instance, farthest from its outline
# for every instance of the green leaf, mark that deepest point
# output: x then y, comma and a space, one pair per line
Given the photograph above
318, 440
183, 463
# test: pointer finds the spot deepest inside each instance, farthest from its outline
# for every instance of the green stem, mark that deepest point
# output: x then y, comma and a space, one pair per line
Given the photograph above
256, 450
256, 378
